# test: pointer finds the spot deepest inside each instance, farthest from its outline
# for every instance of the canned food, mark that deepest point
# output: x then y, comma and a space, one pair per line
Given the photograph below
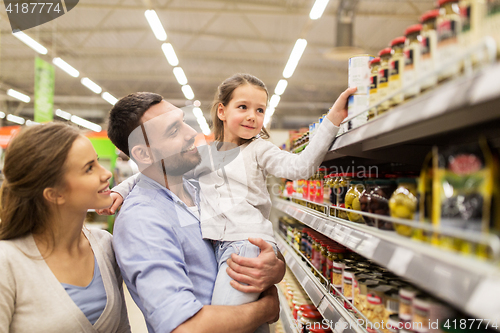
359, 73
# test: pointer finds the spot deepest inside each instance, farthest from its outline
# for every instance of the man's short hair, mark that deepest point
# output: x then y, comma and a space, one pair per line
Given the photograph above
126, 115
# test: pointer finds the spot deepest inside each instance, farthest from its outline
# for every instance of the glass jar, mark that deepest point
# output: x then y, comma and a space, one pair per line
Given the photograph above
319, 185
374, 68
428, 49
449, 26
379, 201
360, 294
347, 284
364, 201
375, 306
323, 258
337, 275
396, 70
403, 204
342, 187
412, 51
383, 80
391, 307
352, 201
393, 325
326, 189
333, 190
312, 186
406, 296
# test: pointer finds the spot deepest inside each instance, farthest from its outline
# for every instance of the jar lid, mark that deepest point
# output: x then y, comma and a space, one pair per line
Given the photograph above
412, 29
311, 314
442, 2
335, 249
397, 41
430, 15
385, 51
307, 307
375, 61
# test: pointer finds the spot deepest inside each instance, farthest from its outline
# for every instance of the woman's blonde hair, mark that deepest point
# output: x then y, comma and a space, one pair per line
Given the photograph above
224, 95
34, 160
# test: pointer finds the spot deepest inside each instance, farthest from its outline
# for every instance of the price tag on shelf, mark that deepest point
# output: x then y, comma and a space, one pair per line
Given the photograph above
323, 306
340, 325
486, 87
347, 234
400, 260
304, 282
484, 300
440, 102
352, 241
368, 246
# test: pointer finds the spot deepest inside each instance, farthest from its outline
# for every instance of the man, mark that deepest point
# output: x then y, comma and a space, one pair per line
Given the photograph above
169, 269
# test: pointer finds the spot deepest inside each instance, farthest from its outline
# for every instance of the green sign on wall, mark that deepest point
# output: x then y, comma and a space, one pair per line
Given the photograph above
44, 91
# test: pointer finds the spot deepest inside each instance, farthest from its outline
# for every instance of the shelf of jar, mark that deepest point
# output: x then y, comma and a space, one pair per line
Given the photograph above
470, 284
287, 320
458, 104
333, 311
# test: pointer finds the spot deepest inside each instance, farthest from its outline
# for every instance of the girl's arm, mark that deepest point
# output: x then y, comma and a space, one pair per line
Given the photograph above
302, 166
119, 193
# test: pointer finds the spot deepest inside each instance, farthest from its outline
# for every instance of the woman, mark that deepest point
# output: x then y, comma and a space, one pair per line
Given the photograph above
55, 275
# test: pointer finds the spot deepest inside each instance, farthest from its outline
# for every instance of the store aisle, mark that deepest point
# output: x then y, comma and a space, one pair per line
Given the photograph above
135, 316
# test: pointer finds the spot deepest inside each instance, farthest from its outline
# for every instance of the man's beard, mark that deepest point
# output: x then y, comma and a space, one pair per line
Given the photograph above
178, 165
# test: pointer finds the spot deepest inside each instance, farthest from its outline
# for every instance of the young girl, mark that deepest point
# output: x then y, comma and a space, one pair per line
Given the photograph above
56, 276
235, 203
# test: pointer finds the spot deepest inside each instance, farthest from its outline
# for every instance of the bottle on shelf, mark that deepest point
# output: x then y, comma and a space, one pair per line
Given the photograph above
449, 26
374, 96
428, 43
412, 52
396, 70
383, 80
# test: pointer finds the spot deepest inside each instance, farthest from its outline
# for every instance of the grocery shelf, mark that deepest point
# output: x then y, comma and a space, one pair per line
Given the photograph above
469, 284
454, 106
286, 316
331, 309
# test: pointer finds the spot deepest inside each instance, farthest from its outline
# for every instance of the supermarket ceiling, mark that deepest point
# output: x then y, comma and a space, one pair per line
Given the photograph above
110, 42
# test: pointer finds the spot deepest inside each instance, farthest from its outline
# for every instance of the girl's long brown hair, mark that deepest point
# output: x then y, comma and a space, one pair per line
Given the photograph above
34, 160
224, 94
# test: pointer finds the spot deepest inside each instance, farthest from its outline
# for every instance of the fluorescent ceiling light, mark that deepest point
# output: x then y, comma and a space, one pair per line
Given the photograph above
16, 94
31, 123
317, 9
197, 103
155, 24
2, 115
267, 119
198, 113
180, 76
30, 42
91, 85
109, 98
280, 87
205, 128
15, 119
65, 67
63, 114
85, 123
275, 100
169, 52
202, 121
298, 49
188, 92
270, 111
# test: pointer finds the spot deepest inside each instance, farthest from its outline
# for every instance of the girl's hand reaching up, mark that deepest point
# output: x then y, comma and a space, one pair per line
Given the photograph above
338, 111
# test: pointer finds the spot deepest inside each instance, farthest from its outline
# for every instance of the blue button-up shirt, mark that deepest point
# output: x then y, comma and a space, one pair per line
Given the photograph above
169, 269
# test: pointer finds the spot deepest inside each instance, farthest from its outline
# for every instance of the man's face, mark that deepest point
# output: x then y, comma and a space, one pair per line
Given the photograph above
170, 138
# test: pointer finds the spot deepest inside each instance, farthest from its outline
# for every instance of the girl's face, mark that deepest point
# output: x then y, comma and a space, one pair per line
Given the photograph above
86, 183
243, 116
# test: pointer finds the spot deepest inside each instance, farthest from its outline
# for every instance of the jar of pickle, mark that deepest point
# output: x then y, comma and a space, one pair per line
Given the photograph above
364, 201
428, 49
326, 189
312, 187
383, 80
412, 51
396, 69
314, 251
449, 26
375, 307
342, 187
373, 96
333, 189
323, 258
403, 204
352, 201
379, 201
319, 185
